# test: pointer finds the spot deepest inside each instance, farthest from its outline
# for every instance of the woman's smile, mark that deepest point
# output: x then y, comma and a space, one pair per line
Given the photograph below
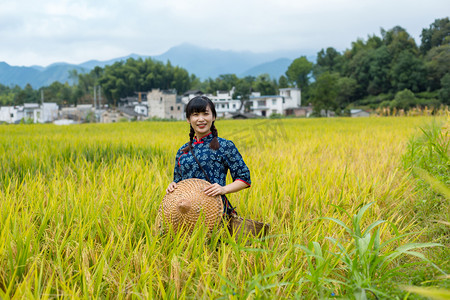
201, 122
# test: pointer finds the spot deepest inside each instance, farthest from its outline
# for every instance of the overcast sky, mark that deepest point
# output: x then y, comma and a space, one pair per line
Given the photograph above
74, 31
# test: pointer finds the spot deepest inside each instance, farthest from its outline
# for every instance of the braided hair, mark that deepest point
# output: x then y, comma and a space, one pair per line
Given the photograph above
199, 104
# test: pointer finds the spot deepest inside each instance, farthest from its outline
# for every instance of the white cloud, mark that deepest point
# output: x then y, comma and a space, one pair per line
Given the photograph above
78, 30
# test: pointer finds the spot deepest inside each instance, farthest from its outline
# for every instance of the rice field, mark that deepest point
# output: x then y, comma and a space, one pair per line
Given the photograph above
78, 206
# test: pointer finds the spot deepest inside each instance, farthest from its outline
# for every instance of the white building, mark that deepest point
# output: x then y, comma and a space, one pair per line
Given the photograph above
223, 101
28, 110
141, 108
46, 113
11, 114
288, 99
292, 97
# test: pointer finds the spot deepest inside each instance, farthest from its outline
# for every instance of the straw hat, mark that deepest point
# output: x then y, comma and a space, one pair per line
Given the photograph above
183, 207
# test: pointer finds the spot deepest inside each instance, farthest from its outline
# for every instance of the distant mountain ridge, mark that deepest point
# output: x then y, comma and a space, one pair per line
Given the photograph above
203, 62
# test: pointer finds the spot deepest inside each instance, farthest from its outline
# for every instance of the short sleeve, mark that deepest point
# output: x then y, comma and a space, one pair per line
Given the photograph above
236, 164
177, 170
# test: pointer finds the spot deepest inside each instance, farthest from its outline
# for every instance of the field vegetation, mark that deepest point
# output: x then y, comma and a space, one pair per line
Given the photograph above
347, 207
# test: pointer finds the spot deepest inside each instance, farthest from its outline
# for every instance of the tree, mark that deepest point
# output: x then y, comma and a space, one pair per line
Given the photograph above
403, 100
408, 72
327, 60
444, 93
346, 87
437, 35
27, 95
398, 40
264, 85
437, 64
379, 61
299, 72
324, 92
283, 82
243, 89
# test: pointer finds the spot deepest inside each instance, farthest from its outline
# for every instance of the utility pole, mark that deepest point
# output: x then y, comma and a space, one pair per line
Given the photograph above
99, 102
95, 96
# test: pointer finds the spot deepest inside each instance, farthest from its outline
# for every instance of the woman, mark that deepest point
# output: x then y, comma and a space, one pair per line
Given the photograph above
215, 155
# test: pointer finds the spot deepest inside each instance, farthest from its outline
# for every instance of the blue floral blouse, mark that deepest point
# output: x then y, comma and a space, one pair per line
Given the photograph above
216, 163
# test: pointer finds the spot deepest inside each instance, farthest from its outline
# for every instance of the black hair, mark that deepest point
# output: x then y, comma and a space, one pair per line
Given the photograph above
196, 105
199, 104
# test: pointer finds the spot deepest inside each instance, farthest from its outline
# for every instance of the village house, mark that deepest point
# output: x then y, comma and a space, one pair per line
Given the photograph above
11, 114
29, 111
188, 95
287, 101
77, 113
165, 104
113, 116
303, 111
225, 105
354, 113
44, 113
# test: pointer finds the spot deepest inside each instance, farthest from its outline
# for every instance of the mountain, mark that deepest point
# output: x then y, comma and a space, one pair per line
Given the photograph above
275, 68
206, 63
203, 62
91, 64
35, 75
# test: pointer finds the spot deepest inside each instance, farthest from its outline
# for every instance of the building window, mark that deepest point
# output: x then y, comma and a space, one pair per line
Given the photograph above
261, 102
274, 101
178, 107
234, 105
12, 115
171, 108
263, 113
223, 105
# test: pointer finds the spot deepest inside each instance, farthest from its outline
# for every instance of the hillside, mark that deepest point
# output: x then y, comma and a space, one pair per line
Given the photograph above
203, 62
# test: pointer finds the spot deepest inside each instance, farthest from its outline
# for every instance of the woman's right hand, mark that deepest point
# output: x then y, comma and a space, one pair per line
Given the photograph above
172, 186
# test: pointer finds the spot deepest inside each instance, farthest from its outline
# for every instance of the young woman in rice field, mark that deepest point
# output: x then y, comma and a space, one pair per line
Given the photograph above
216, 155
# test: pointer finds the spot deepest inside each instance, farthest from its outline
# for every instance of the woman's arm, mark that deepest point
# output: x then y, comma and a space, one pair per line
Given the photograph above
216, 189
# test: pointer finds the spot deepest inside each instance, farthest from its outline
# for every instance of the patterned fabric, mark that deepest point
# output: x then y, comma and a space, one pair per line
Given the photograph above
216, 164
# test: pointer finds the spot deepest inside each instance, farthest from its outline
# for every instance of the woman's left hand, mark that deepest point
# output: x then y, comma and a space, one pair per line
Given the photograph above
214, 190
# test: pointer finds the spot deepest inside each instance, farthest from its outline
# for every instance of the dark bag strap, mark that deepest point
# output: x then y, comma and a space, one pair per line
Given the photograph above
196, 159
229, 209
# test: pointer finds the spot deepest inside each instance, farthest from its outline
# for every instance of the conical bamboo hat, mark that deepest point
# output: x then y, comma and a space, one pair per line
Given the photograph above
183, 207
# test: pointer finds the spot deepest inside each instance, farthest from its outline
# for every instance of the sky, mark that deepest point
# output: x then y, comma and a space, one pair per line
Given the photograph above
74, 31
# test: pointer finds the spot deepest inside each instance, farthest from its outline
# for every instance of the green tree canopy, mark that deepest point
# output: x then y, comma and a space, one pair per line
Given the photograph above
299, 72
438, 34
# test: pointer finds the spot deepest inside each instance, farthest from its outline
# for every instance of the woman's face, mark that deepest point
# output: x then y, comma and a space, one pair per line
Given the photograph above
201, 122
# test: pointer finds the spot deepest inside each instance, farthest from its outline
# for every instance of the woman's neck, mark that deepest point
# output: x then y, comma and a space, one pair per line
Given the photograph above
200, 136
